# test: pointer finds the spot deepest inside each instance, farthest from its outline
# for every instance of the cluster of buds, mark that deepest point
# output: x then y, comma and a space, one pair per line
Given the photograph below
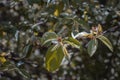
94, 32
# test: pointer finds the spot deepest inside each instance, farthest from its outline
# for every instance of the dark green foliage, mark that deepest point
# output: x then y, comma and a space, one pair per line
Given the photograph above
59, 39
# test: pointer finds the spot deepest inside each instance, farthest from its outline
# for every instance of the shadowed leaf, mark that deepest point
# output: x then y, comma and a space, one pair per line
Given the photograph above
106, 42
92, 47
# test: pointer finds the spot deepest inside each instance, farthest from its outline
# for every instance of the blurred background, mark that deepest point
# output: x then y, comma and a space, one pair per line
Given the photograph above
23, 22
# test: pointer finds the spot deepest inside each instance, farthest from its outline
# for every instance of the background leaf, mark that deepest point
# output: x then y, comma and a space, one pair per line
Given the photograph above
66, 2
27, 51
58, 9
23, 73
48, 36
2, 59
34, 1
82, 23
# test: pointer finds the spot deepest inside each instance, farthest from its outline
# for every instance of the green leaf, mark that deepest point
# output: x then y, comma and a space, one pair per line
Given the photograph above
6, 66
73, 42
27, 50
92, 47
83, 24
58, 9
23, 73
66, 2
48, 1
66, 53
55, 47
48, 41
48, 36
34, 1
54, 58
106, 42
